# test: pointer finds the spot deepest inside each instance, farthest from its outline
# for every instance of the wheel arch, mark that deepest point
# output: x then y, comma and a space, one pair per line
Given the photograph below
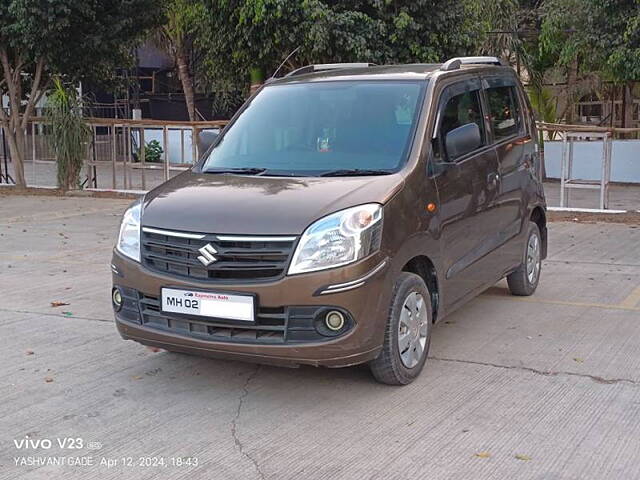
539, 217
424, 267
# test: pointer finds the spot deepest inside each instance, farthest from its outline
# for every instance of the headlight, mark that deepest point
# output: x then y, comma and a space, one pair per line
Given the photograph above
338, 239
129, 237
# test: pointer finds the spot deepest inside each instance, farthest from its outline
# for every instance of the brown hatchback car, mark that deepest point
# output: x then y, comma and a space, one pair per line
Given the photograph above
343, 211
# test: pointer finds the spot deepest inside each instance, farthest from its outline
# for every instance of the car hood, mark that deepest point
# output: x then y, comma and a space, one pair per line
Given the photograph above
236, 204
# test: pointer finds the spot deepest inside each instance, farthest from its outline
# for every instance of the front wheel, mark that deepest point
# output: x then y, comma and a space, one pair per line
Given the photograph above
408, 333
524, 280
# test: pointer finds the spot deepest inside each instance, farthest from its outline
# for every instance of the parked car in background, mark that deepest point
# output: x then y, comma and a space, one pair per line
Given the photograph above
343, 211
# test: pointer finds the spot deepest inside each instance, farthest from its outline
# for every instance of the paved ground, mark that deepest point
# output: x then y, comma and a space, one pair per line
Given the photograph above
546, 387
43, 174
621, 197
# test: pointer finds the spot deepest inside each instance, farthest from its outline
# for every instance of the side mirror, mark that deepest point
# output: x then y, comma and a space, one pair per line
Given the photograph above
206, 139
463, 140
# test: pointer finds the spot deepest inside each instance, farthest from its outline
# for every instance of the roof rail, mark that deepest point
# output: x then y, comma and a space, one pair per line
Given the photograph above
456, 63
320, 67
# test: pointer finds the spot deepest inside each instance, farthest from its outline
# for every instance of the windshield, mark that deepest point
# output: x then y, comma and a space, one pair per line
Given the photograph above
340, 128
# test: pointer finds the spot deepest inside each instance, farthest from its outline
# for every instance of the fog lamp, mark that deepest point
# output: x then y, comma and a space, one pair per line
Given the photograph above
116, 297
334, 320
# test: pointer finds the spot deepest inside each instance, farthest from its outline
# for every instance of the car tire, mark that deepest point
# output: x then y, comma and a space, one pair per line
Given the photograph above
524, 280
408, 333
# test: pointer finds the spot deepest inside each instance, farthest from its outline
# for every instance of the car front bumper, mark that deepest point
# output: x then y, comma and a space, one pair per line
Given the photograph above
288, 308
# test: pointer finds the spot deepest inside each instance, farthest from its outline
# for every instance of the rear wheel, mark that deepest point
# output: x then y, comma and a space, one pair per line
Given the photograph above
524, 280
408, 333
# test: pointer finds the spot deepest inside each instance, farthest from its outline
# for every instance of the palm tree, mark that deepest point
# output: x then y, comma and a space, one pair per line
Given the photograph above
183, 20
69, 133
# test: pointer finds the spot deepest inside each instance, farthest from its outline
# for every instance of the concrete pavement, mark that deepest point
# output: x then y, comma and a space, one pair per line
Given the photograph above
545, 387
621, 197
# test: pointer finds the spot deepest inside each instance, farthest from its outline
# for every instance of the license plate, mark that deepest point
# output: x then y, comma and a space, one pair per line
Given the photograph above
209, 304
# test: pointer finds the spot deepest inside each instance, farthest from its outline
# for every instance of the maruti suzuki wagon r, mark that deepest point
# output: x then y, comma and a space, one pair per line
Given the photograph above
343, 211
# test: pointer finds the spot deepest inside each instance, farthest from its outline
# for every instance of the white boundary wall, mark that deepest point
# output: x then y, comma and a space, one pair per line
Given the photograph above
625, 160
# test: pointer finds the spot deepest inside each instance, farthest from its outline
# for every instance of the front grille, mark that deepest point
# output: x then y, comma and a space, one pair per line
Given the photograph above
237, 258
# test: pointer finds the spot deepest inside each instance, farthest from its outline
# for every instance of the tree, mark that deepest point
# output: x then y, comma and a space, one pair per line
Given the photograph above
622, 51
253, 34
425, 30
512, 32
596, 36
500, 24
79, 39
261, 33
69, 132
185, 21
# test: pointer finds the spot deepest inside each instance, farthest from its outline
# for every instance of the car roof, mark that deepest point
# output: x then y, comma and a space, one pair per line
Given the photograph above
416, 71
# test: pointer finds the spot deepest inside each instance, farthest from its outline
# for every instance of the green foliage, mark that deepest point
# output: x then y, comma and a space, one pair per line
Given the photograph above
567, 29
544, 104
184, 19
499, 19
69, 133
261, 33
257, 75
340, 36
152, 152
603, 36
625, 59
426, 30
183, 24
77, 38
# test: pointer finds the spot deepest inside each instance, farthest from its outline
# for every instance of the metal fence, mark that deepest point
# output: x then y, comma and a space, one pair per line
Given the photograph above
114, 159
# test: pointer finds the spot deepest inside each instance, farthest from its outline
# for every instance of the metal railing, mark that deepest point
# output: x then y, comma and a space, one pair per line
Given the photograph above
114, 159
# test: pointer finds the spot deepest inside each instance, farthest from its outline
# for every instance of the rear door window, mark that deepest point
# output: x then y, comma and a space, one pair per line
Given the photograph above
504, 107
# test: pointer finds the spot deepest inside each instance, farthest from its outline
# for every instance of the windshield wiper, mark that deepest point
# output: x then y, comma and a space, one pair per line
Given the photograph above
352, 172
239, 171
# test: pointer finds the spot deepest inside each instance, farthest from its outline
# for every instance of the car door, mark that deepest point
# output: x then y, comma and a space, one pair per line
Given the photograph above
514, 146
466, 187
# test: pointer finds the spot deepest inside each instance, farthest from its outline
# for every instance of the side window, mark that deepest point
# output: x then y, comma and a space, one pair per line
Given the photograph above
459, 110
504, 109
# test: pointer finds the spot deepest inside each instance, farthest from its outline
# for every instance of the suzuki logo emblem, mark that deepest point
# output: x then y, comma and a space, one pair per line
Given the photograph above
207, 257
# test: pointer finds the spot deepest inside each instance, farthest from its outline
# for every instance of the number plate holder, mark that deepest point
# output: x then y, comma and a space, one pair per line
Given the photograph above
223, 306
